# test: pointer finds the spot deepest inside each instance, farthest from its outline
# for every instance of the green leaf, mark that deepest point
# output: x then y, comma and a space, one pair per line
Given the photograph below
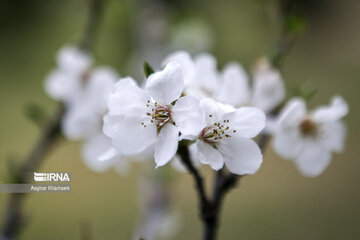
306, 91
295, 23
148, 69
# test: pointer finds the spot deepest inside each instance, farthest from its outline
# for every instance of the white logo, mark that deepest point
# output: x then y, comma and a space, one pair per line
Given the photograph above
51, 177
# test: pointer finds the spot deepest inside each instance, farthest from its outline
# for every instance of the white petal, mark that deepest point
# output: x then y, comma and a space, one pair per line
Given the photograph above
62, 86
80, 122
166, 144
269, 89
109, 154
241, 155
167, 85
94, 148
100, 86
128, 135
337, 110
247, 121
110, 124
235, 86
128, 98
212, 110
288, 143
333, 135
293, 113
206, 80
147, 154
73, 60
186, 64
188, 117
313, 160
270, 125
207, 154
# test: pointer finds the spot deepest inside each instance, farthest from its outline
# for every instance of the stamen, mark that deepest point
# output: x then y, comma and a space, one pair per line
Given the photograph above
216, 132
159, 115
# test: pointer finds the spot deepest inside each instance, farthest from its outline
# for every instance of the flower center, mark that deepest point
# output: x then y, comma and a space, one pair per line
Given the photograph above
158, 114
308, 127
216, 132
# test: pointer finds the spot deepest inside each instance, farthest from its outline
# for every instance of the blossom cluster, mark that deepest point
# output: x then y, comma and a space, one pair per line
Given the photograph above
218, 113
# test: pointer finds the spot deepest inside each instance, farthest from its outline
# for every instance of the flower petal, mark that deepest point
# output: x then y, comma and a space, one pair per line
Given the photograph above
80, 122
128, 98
313, 160
212, 110
100, 85
188, 117
207, 154
206, 82
94, 148
235, 86
337, 110
247, 121
62, 86
166, 144
288, 143
167, 85
269, 89
186, 64
333, 136
128, 135
241, 155
73, 60
292, 114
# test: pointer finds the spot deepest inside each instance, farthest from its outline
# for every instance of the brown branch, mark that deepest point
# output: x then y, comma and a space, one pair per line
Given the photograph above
13, 220
183, 151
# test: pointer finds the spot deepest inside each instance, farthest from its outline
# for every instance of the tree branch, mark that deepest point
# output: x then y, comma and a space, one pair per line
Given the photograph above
198, 179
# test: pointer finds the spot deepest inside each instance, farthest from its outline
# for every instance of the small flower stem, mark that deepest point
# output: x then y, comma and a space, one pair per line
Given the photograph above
13, 219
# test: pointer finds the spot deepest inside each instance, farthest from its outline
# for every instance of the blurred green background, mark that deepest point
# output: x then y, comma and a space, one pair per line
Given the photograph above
276, 203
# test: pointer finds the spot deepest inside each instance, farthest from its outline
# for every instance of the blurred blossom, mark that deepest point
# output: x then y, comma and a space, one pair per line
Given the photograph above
64, 82
268, 86
194, 35
85, 91
309, 137
231, 86
83, 117
159, 219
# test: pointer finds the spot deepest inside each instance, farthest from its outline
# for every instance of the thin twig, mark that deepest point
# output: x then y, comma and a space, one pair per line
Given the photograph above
13, 221
13, 218
198, 179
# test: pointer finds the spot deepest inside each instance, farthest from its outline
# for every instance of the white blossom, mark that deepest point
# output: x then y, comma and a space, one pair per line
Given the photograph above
268, 87
156, 115
64, 82
227, 138
232, 85
84, 113
85, 92
309, 137
200, 75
